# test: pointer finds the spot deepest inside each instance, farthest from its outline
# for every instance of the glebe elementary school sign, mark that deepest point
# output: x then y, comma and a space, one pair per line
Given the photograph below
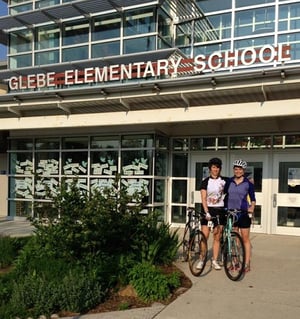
163, 67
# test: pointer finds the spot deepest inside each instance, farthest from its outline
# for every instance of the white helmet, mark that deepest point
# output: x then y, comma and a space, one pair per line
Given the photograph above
240, 163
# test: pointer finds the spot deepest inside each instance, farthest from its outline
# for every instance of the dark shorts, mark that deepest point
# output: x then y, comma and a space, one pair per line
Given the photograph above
215, 211
244, 221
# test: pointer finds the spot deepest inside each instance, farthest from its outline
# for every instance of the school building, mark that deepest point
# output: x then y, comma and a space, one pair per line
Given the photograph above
151, 90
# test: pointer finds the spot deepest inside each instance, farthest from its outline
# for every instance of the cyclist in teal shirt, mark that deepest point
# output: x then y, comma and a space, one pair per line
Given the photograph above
240, 195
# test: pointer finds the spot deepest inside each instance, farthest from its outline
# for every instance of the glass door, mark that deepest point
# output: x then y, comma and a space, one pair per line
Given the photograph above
286, 194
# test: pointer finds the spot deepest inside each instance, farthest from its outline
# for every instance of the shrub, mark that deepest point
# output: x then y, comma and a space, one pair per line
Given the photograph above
150, 283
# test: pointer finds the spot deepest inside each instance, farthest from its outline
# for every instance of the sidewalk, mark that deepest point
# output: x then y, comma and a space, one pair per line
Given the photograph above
269, 290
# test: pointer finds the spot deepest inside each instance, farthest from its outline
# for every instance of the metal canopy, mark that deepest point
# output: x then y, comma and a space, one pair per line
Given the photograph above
68, 10
251, 86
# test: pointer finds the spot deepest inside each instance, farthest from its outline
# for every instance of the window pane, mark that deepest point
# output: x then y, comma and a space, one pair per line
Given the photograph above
104, 142
20, 61
48, 57
288, 216
180, 165
289, 181
75, 142
214, 5
76, 53
178, 214
139, 45
159, 190
179, 191
137, 141
138, 162
20, 41
161, 162
106, 49
47, 37
21, 144
107, 27
74, 163
21, 163
47, 163
76, 33
138, 22
104, 162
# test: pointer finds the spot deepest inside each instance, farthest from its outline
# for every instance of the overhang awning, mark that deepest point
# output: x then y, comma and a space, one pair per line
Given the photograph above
68, 10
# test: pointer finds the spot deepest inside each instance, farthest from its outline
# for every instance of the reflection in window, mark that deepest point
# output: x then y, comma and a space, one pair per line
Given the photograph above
254, 21
106, 49
289, 17
159, 190
202, 172
139, 45
214, 5
180, 165
245, 3
179, 191
48, 57
254, 172
75, 53
178, 214
106, 27
76, 32
289, 177
47, 37
293, 40
138, 22
161, 160
288, 216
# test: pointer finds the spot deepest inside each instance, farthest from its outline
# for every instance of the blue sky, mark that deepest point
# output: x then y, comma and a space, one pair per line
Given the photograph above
3, 12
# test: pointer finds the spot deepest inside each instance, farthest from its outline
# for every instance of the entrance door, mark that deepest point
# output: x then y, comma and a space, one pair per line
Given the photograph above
257, 171
286, 194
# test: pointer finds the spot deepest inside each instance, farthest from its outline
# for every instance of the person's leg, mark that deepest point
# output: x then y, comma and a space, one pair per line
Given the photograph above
245, 233
216, 242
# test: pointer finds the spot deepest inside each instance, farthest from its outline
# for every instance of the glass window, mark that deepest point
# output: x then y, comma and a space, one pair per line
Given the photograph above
254, 21
137, 141
47, 57
139, 45
179, 191
75, 53
76, 32
254, 172
288, 216
161, 163
21, 144
75, 142
21, 8
137, 162
250, 142
47, 37
292, 39
47, 163
165, 26
46, 3
20, 187
106, 27
159, 190
178, 214
139, 22
180, 165
20, 41
289, 181
74, 163
207, 143
202, 172
106, 49
104, 162
213, 28
214, 5
21, 163
254, 42
180, 144
48, 143
105, 142
245, 3
210, 48
20, 61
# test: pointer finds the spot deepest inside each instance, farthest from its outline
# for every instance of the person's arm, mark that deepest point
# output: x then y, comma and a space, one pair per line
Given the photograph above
252, 198
203, 193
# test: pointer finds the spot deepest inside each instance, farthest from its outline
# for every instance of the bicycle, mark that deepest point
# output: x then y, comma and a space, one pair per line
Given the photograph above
194, 243
232, 248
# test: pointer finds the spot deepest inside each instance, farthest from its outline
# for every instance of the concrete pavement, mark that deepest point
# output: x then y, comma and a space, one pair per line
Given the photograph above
270, 289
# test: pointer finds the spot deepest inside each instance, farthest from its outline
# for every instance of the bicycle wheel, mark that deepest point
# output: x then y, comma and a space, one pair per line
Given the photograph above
234, 256
197, 253
185, 243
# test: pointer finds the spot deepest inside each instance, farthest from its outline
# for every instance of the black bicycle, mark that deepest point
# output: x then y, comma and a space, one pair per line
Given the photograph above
194, 243
232, 248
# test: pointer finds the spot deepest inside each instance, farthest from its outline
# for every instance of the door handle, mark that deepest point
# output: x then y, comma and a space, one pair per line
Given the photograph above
192, 197
274, 200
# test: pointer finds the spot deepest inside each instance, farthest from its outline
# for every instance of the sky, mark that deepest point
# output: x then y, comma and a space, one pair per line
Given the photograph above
3, 12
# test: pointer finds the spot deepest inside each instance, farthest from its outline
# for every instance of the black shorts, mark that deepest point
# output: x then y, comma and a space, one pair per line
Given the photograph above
215, 211
244, 221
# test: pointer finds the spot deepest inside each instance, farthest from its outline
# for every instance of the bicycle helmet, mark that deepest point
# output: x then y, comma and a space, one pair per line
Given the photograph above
215, 161
240, 163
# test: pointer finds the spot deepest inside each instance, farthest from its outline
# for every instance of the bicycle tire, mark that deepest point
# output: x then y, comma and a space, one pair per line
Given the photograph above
234, 256
197, 251
185, 243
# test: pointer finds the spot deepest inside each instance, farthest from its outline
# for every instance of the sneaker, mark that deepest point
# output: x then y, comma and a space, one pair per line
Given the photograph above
216, 265
200, 265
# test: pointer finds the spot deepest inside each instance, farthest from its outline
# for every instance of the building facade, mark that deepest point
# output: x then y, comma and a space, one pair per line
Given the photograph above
152, 90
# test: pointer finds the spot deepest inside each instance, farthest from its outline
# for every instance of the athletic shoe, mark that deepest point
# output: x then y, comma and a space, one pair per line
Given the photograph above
216, 265
200, 265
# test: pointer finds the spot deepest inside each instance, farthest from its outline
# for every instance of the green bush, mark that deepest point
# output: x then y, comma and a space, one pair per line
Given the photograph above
150, 283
